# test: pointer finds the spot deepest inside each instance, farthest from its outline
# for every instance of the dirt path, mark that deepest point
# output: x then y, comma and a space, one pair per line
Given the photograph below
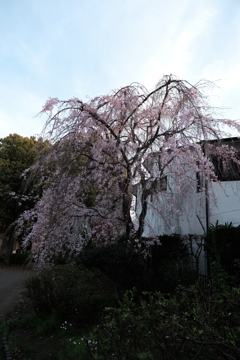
11, 287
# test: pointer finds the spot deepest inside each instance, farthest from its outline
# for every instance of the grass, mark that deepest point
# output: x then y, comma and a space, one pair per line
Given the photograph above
34, 338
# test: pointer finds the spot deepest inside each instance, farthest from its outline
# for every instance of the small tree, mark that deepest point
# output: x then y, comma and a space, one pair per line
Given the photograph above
101, 150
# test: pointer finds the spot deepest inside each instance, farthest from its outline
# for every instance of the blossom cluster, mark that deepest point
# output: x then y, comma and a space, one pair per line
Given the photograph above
100, 152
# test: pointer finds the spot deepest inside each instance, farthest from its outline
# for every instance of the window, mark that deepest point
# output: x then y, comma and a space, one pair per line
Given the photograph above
226, 168
158, 185
200, 181
162, 184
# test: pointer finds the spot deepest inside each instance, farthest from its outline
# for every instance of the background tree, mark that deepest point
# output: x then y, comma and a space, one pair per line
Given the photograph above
117, 135
17, 153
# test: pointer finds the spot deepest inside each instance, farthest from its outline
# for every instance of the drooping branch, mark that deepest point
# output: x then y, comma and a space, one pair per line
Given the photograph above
99, 150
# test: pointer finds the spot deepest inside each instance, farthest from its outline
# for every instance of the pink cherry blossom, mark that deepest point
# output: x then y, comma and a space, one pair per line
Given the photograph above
108, 146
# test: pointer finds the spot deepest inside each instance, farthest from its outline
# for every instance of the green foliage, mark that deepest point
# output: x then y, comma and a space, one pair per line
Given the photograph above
48, 325
191, 323
167, 265
74, 348
47, 337
170, 264
4, 327
42, 326
222, 244
74, 293
19, 259
124, 268
17, 153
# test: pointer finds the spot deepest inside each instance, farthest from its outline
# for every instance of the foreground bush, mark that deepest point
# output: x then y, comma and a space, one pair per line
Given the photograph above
166, 265
73, 292
222, 245
190, 324
125, 268
170, 264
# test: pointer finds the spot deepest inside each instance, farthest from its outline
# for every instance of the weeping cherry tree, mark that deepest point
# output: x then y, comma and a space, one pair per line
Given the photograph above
99, 155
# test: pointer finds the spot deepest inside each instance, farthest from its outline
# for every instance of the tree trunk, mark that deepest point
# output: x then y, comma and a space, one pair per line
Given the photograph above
126, 207
141, 219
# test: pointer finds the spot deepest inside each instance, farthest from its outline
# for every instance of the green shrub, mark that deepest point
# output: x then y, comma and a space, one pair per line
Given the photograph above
47, 326
170, 264
166, 266
192, 324
74, 348
74, 293
125, 268
222, 244
19, 258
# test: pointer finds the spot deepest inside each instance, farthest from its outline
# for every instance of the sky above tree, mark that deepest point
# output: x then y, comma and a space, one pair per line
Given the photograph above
82, 48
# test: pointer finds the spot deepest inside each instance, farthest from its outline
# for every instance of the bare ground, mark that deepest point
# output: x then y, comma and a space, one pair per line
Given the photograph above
11, 287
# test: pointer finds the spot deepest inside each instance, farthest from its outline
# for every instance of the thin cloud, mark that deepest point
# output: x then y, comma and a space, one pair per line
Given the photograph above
64, 49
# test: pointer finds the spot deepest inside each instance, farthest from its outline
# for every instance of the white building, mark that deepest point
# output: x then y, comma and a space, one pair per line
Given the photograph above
169, 212
196, 210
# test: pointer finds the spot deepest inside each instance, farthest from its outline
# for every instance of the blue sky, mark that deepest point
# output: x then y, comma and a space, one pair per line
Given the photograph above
56, 48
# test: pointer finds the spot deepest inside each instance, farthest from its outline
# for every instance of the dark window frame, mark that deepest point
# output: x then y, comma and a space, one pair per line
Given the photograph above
225, 168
